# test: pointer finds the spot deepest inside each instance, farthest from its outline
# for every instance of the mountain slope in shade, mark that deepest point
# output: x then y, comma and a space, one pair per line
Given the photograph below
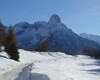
60, 38
95, 38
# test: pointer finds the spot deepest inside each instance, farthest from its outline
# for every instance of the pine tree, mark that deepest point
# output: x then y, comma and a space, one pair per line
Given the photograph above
11, 44
2, 34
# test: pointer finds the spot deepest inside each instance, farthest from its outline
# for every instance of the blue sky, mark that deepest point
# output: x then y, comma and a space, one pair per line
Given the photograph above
79, 15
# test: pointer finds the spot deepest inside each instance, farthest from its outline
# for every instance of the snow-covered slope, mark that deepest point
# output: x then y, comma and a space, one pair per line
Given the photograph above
60, 38
95, 38
49, 66
10, 69
71, 68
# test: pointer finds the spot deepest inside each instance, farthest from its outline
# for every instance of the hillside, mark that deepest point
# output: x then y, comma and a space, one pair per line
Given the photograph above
49, 66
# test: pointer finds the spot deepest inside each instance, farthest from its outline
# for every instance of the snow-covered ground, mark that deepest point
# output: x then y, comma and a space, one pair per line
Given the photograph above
49, 66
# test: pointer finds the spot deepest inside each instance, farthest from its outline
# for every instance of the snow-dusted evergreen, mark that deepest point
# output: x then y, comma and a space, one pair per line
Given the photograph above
60, 38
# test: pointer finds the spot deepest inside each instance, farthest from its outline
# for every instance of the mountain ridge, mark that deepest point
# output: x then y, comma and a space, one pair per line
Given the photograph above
93, 37
60, 37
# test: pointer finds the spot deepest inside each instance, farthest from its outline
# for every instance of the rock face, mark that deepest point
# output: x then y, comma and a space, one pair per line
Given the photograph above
55, 19
60, 38
95, 38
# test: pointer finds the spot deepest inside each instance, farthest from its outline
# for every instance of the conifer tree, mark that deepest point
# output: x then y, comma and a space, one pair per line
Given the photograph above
2, 34
11, 44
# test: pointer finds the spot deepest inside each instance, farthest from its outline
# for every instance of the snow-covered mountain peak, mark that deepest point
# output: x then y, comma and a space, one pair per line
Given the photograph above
55, 19
22, 24
59, 37
95, 38
40, 24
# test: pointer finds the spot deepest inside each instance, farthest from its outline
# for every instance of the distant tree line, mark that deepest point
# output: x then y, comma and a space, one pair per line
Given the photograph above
44, 47
92, 52
8, 41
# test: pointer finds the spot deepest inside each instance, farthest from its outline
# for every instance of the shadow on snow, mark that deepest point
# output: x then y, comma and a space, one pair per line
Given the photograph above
37, 76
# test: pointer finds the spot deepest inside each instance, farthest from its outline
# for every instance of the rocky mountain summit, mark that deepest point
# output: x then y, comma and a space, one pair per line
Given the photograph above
58, 35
